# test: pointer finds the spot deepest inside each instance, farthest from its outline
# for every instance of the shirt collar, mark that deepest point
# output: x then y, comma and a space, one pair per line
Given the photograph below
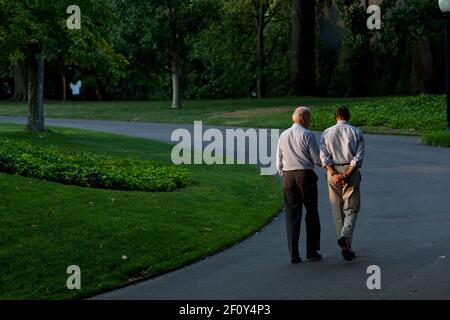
342, 122
298, 125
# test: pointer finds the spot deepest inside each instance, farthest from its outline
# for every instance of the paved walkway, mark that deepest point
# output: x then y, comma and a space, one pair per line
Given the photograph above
404, 227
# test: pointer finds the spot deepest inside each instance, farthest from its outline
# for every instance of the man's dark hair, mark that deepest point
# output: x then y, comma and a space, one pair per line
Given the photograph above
343, 113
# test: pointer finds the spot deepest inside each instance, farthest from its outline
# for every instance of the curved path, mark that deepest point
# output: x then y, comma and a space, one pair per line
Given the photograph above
403, 227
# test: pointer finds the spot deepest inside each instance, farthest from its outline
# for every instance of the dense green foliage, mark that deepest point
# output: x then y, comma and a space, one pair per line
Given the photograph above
404, 57
410, 29
351, 75
88, 169
123, 49
417, 114
223, 61
437, 139
86, 53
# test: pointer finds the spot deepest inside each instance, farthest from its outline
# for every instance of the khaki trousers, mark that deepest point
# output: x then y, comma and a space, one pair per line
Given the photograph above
345, 202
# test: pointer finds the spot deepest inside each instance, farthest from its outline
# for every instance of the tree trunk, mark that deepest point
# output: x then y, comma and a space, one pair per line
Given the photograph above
260, 12
98, 88
303, 79
20, 83
35, 88
421, 66
176, 99
64, 84
98, 93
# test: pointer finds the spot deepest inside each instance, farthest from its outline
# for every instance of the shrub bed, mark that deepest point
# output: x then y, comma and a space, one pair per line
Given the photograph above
89, 170
419, 114
437, 139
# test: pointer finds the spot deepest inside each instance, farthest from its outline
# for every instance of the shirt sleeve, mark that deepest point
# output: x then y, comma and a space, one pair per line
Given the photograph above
314, 150
279, 159
359, 156
325, 156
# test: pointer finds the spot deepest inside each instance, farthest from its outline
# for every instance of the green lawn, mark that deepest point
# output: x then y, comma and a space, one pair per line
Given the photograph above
393, 115
45, 226
226, 112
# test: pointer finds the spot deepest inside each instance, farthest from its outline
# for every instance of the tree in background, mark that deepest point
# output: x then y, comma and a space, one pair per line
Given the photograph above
265, 11
178, 20
352, 74
132, 49
159, 29
23, 36
409, 53
136, 36
303, 77
31, 32
20, 83
244, 50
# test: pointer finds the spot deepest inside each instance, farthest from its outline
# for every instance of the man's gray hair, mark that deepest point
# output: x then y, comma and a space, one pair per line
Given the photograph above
299, 114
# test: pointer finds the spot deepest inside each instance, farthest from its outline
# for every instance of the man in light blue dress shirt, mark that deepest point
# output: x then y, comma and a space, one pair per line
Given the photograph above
297, 153
342, 154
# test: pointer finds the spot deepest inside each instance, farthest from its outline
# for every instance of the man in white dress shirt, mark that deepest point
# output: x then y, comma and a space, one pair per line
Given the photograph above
297, 153
342, 154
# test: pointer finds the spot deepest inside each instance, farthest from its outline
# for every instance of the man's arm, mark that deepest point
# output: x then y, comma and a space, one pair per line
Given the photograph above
360, 146
327, 162
314, 153
279, 159
325, 156
359, 156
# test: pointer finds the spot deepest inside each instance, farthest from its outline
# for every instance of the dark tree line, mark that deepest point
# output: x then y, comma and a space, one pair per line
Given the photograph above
131, 49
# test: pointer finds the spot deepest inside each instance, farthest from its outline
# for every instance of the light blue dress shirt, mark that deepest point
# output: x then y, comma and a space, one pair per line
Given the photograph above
342, 144
297, 150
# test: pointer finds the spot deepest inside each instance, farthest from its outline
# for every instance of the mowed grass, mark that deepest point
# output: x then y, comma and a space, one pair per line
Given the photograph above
117, 236
225, 112
411, 115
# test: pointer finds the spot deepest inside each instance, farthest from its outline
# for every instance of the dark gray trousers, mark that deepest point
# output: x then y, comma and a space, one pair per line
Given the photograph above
300, 189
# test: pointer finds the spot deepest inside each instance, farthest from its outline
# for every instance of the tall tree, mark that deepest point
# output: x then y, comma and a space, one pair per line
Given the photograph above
35, 62
22, 30
173, 9
265, 11
184, 18
353, 72
243, 50
303, 79
33, 31
89, 50
20, 83
163, 27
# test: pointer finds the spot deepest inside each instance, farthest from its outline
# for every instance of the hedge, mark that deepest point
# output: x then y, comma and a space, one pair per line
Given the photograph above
437, 139
89, 170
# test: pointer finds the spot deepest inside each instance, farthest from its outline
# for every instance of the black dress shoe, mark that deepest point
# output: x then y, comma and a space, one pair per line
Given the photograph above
296, 260
313, 256
347, 252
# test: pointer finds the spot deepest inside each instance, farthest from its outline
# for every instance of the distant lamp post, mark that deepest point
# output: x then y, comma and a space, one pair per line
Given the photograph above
444, 5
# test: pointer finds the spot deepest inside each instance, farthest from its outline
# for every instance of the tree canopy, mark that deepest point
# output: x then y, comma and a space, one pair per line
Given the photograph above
131, 49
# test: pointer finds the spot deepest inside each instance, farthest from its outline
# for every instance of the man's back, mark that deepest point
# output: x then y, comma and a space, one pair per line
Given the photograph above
297, 149
342, 144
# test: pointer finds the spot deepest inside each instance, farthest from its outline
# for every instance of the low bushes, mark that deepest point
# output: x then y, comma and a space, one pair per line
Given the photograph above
416, 114
89, 170
437, 139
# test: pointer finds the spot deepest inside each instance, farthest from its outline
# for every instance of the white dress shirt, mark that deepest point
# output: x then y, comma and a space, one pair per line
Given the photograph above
297, 150
342, 144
